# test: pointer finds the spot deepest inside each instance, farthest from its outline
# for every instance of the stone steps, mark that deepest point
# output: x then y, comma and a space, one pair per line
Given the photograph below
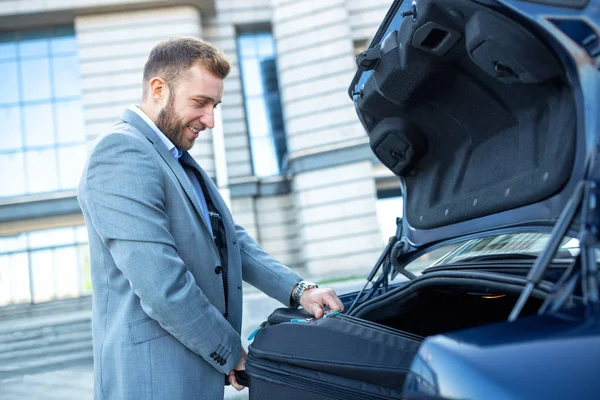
42, 337
45, 340
8, 370
21, 311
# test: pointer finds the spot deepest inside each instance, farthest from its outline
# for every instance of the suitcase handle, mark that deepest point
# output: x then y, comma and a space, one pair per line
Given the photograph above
242, 378
286, 315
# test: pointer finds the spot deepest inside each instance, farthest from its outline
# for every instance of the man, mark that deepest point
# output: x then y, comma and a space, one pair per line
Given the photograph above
167, 259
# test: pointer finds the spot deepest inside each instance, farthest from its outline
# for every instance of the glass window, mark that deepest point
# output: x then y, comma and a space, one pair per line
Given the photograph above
50, 238
65, 70
11, 131
41, 170
8, 46
13, 243
42, 275
389, 206
5, 281
250, 73
39, 125
63, 40
82, 234
257, 116
69, 121
40, 111
265, 45
85, 271
12, 174
18, 275
267, 162
523, 246
35, 79
8, 84
33, 44
70, 163
56, 259
246, 45
264, 117
66, 272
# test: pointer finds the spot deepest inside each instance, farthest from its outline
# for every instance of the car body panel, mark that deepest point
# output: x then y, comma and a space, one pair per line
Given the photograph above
539, 357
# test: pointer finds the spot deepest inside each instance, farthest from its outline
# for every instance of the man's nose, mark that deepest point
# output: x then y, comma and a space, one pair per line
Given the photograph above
208, 119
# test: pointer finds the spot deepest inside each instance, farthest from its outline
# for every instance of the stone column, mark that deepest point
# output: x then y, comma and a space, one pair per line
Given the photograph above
335, 203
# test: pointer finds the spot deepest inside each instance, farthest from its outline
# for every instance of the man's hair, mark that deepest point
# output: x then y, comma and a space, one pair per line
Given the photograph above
172, 58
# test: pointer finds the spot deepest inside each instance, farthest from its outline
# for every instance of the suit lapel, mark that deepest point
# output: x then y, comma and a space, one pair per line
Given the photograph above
138, 123
213, 192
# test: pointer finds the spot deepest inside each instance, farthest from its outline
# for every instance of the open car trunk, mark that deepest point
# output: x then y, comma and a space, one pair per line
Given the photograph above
442, 302
470, 106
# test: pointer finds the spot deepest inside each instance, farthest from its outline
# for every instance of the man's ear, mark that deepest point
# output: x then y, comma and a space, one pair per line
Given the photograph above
158, 91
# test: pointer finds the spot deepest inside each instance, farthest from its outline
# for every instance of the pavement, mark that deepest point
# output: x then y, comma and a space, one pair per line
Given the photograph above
75, 382
68, 383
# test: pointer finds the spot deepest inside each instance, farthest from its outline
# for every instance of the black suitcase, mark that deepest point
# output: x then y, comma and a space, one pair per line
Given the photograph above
294, 356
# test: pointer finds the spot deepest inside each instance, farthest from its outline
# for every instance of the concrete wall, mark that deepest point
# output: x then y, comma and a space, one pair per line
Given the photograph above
365, 17
337, 219
336, 215
316, 64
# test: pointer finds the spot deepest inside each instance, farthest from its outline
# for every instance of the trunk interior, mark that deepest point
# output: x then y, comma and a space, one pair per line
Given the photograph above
435, 308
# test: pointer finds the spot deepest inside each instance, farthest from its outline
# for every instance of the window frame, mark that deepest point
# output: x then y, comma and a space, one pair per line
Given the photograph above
276, 140
56, 44
79, 242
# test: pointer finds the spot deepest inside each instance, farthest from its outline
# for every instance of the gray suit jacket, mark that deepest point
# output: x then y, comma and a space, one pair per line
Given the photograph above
159, 330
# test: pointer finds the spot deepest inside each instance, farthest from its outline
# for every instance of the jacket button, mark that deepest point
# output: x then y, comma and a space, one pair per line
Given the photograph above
218, 270
223, 362
213, 354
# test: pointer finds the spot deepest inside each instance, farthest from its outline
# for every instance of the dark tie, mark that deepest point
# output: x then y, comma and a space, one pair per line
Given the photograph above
218, 228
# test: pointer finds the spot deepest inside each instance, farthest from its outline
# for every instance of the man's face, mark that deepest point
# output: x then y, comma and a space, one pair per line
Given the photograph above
190, 107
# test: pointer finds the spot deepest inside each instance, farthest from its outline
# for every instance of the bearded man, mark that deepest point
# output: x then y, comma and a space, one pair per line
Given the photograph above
167, 259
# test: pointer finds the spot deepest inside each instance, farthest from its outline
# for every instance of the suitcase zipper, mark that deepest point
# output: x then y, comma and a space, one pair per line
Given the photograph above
333, 314
381, 328
253, 334
375, 326
302, 319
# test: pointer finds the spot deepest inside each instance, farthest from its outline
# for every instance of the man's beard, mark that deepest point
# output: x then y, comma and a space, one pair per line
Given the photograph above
172, 126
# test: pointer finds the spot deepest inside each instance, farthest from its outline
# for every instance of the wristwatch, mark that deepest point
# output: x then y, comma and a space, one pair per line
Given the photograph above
302, 286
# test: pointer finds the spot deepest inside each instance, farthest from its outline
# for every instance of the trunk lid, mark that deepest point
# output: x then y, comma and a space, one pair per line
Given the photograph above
486, 111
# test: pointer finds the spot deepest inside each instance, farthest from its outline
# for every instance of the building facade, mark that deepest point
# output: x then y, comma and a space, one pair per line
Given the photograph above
289, 153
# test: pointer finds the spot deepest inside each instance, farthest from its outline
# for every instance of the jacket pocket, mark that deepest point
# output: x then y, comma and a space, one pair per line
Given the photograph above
145, 330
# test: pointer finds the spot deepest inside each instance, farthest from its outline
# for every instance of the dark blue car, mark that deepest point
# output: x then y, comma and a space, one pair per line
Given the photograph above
488, 112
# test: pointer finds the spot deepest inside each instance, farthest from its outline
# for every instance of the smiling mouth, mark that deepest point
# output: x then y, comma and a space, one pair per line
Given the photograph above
196, 131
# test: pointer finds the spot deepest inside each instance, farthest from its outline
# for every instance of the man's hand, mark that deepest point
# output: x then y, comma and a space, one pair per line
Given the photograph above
240, 366
314, 300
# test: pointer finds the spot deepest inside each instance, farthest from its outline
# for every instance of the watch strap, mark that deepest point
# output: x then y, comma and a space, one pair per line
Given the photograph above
300, 289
